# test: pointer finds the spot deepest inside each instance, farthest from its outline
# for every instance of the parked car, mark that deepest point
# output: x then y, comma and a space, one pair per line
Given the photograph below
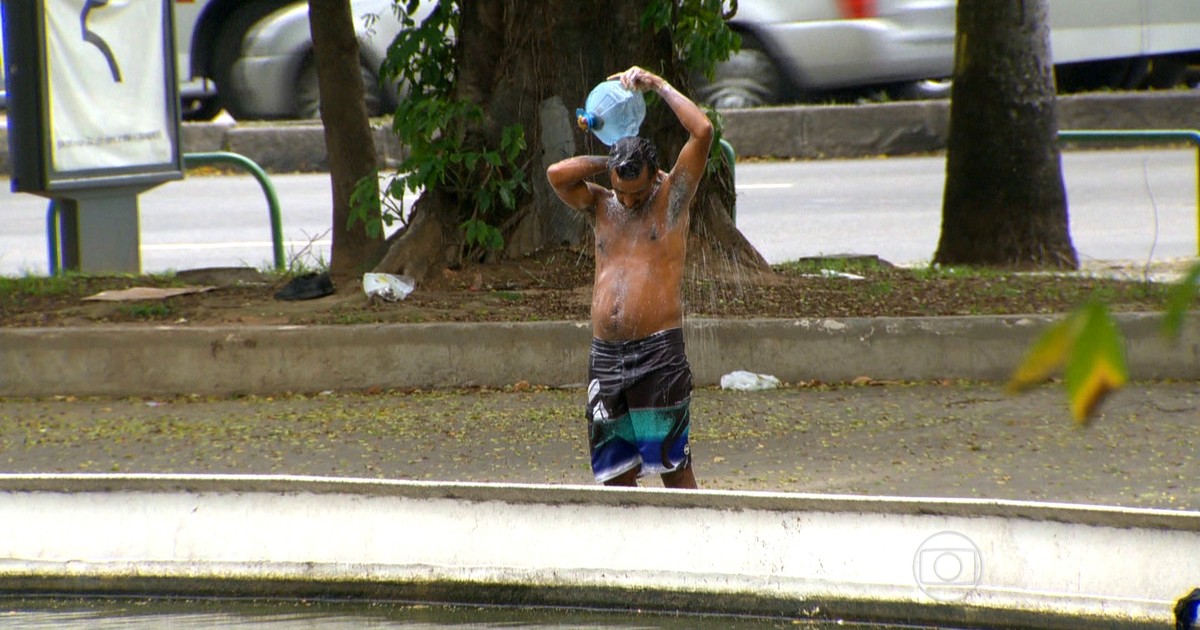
794, 51
276, 75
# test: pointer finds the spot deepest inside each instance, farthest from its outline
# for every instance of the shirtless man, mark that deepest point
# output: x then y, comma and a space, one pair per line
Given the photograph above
639, 380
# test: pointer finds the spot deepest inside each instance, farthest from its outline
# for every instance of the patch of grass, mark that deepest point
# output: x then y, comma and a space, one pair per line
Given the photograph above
307, 259
77, 284
881, 288
935, 272
351, 318
36, 286
842, 264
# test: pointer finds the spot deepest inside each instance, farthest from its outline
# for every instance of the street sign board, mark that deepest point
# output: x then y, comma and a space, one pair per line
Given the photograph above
93, 96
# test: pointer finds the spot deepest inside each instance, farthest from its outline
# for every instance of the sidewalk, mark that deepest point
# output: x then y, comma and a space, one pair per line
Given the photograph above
929, 439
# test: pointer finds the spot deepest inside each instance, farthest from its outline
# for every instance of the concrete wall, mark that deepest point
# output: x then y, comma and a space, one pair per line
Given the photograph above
849, 131
1016, 564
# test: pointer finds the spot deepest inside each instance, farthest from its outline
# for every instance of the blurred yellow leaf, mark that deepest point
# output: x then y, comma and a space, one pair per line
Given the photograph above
1090, 344
1097, 365
1092, 347
1046, 355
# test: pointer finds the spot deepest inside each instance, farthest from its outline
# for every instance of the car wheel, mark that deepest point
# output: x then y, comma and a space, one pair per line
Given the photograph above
228, 47
201, 108
747, 79
308, 91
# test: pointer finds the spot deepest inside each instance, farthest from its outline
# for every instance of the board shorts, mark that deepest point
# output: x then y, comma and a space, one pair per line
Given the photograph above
638, 397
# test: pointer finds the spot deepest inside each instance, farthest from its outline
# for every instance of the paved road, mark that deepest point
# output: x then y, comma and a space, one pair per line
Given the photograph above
1127, 205
1134, 205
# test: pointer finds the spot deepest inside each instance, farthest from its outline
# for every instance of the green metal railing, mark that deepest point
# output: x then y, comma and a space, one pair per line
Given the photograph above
1155, 136
731, 158
193, 160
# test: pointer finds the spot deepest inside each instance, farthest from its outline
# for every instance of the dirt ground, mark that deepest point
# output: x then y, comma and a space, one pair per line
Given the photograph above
556, 285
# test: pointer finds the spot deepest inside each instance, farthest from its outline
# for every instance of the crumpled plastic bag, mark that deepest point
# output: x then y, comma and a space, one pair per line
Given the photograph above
387, 287
742, 380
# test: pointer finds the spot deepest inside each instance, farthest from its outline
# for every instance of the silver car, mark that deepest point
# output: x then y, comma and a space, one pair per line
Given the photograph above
803, 49
276, 75
789, 47
796, 49
792, 50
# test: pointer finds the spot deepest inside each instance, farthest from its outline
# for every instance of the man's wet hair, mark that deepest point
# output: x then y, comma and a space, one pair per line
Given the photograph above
630, 155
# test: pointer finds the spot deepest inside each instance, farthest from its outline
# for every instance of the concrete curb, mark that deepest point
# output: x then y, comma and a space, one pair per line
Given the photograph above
794, 556
124, 361
905, 128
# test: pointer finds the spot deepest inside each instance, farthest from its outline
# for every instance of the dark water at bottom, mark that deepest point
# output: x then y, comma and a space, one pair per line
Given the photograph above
131, 614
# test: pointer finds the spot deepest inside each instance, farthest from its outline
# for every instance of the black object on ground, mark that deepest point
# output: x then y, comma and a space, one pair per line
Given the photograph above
306, 287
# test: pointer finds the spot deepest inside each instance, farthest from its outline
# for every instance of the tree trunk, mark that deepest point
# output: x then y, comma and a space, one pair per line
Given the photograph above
534, 71
1004, 204
348, 140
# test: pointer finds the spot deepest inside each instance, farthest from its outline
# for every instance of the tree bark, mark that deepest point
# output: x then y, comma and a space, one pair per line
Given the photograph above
348, 140
531, 62
1004, 202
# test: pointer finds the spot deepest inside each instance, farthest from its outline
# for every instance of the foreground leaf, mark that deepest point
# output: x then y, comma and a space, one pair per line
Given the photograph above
1092, 347
1097, 366
1046, 355
1182, 295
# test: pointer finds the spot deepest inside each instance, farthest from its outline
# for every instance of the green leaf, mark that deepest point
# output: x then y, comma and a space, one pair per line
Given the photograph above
1098, 366
1179, 301
365, 207
471, 230
507, 198
495, 239
479, 234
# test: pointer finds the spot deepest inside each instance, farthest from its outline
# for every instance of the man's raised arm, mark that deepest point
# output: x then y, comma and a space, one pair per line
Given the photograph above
694, 154
569, 179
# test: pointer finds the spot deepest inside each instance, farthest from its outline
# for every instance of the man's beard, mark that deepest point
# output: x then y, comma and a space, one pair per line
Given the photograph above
644, 205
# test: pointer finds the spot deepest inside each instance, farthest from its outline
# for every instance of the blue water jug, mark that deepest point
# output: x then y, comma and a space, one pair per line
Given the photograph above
612, 112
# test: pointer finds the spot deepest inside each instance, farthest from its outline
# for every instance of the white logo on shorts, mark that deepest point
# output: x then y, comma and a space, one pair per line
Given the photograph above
599, 412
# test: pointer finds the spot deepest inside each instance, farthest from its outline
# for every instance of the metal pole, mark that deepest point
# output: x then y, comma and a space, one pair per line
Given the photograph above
225, 157
731, 157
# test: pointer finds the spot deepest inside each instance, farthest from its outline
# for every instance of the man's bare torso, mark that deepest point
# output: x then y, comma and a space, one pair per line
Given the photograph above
640, 255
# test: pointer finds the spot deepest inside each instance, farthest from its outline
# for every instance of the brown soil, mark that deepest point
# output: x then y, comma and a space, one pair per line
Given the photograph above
556, 285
